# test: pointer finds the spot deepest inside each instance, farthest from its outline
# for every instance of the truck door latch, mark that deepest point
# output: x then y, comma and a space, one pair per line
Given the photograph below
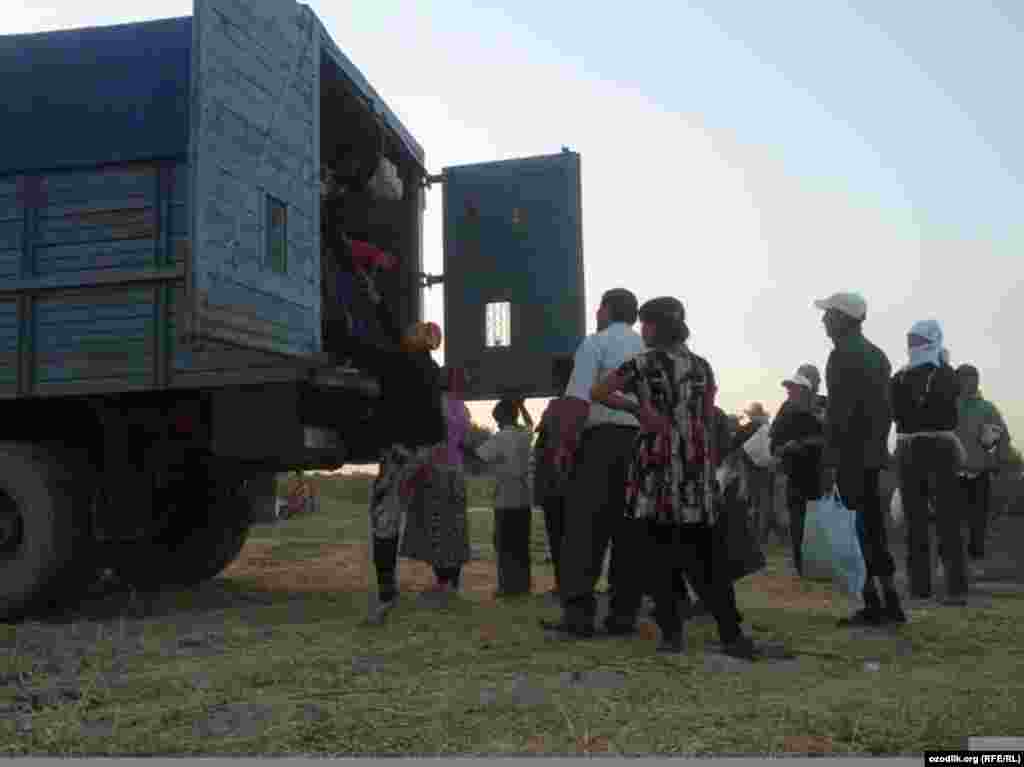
429, 280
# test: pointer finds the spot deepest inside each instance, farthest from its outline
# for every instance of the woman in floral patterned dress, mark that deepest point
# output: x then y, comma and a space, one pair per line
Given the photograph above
671, 488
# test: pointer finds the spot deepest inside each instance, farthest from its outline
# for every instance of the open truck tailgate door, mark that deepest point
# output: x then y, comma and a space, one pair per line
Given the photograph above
513, 272
253, 269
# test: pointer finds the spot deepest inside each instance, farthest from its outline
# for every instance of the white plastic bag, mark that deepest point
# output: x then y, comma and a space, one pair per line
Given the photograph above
831, 547
896, 507
385, 184
759, 448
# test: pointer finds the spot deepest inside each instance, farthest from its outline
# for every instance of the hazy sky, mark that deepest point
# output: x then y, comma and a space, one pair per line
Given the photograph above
746, 157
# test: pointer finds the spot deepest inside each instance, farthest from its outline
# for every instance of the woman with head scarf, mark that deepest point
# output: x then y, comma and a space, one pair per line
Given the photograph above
924, 398
410, 425
437, 530
671, 492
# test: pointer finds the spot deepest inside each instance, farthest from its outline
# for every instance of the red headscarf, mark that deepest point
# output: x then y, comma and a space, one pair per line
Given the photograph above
365, 256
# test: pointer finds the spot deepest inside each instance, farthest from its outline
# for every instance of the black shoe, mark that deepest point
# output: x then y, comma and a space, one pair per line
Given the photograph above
742, 648
863, 617
672, 645
893, 613
955, 600
620, 627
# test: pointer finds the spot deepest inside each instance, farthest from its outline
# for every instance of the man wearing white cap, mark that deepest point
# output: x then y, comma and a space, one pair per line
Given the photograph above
858, 422
797, 439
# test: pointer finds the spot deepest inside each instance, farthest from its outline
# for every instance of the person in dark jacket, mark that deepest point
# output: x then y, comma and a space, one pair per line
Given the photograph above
797, 438
410, 428
857, 426
924, 399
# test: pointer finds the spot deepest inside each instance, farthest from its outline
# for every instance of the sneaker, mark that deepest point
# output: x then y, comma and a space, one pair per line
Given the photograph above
955, 600
863, 617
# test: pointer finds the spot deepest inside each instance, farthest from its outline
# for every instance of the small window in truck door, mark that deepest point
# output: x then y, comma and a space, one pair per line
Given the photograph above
277, 235
498, 324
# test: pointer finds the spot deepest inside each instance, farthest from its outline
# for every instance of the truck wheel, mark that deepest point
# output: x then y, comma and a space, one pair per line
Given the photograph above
43, 535
199, 543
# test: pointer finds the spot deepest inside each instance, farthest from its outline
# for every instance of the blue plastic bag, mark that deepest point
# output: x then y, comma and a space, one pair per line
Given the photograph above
831, 546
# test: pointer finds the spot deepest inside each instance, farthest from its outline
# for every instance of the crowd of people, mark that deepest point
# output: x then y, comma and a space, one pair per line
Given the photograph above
636, 457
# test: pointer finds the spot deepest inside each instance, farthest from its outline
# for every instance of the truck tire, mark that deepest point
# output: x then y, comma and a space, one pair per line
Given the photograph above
43, 529
199, 543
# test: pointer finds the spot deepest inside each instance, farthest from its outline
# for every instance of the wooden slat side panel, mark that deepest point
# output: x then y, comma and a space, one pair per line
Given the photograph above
99, 186
94, 257
91, 335
12, 230
179, 222
255, 137
212, 357
8, 345
96, 220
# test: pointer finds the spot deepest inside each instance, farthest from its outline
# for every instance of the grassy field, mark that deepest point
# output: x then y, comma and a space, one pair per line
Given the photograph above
274, 658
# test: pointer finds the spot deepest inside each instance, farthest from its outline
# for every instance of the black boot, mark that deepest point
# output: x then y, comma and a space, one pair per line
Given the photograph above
385, 559
869, 615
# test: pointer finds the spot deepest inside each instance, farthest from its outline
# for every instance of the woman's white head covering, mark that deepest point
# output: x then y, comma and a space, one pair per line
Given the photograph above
930, 352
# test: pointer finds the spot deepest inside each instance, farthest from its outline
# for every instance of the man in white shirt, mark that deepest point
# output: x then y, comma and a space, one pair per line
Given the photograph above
596, 497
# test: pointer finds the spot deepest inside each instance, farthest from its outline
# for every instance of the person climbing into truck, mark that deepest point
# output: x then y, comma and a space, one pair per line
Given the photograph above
410, 424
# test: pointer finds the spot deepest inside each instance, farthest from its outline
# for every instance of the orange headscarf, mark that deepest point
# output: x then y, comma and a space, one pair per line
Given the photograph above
423, 336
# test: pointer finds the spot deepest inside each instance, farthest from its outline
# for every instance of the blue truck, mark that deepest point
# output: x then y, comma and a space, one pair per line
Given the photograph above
162, 350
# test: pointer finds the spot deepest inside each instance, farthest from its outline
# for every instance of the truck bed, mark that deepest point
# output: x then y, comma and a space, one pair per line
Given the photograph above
92, 279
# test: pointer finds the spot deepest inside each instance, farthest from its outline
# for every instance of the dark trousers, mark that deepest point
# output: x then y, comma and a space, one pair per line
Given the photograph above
977, 495
698, 579
669, 556
796, 500
594, 517
928, 471
512, 545
762, 499
860, 492
554, 523
385, 561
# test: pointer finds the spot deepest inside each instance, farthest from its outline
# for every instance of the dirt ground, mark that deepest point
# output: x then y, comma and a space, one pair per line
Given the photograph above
344, 568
